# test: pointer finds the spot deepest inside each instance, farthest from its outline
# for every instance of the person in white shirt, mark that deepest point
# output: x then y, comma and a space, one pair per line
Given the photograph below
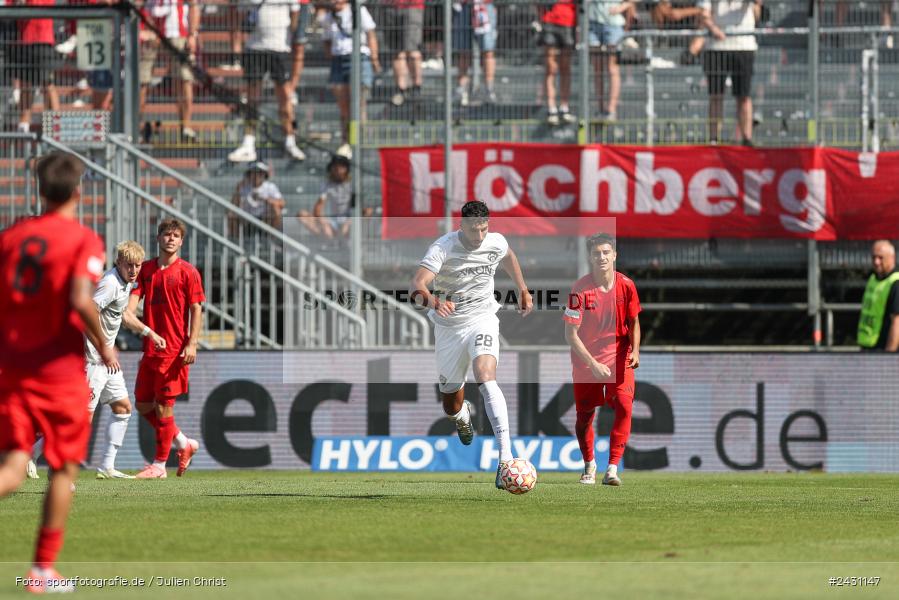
108, 387
259, 196
461, 266
338, 37
270, 50
730, 55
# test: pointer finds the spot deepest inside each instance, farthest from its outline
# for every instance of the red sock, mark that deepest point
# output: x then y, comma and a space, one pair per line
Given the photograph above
621, 428
49, 543
151, 418
583, 428
164, 435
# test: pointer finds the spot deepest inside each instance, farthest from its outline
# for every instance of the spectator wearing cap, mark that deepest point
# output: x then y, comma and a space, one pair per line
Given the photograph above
258, 196
730, 55
330, 217
31, 61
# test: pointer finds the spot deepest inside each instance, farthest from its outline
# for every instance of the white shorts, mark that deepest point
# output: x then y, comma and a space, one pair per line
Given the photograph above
106, 387
456, 347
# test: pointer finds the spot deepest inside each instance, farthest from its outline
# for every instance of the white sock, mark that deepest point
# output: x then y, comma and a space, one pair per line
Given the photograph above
495, 405
115, 437
463, 415
612, 470
37, 449
589, 465
180, 441
563, 108
161, 465
290, 141
249, 141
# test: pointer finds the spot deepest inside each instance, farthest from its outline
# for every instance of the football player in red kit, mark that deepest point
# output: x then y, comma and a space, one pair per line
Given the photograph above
602, 327
173, 309
49, 266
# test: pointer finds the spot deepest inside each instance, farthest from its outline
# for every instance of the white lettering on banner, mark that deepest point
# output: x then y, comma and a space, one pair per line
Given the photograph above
713, 183
341, 455
525, 450
546, 456
753, 182
364, 450
592, 176
385, 463
425, 181
567, 457
405, 455
647, 178
814, 204
513, 187
489, 455
537, 188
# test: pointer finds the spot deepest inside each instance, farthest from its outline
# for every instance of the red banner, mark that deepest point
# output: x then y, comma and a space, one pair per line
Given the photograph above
670, 192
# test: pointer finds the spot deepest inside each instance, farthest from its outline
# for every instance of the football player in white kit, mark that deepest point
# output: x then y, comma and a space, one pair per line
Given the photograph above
461, 266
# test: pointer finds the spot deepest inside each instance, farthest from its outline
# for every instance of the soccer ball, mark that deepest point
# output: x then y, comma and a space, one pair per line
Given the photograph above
518, 476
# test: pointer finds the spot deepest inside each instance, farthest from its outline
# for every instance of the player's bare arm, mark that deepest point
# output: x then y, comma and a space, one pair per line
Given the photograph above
421, 293
513, 268
633, 333
599, 370
130, 320
82, 299
189, 354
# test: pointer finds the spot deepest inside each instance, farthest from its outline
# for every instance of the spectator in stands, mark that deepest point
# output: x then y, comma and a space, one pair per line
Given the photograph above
269, 51
30, 60
179, 22
841, 16
300, 38
664, 15
730, 56
606, 33
407, 21
338, 38
474, 22
258, 196
330, 217
100, 81
236, 32
557, 39
878, 324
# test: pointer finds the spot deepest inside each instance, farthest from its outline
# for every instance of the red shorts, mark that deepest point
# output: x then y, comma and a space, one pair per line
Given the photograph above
592, 394
29, 407
161, 379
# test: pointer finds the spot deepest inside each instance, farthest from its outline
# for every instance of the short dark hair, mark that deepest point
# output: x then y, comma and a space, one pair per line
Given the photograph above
600, 239
475, 209
171, 223
58, 176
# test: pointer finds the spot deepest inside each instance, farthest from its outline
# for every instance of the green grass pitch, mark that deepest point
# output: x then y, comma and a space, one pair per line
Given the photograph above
452, 535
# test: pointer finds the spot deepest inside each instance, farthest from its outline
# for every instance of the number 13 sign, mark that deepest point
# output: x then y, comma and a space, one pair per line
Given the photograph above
94, 44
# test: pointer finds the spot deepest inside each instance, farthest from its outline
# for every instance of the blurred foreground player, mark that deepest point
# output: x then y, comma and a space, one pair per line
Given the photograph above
602, 327
461, 265
173, 309
49, 265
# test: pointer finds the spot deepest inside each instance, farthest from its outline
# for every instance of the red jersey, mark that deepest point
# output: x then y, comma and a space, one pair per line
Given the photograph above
168, 294
563, 13
37, 31
603, 318
41, 335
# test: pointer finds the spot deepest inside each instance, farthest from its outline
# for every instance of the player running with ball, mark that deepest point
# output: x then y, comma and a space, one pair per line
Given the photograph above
602, 327
461, 266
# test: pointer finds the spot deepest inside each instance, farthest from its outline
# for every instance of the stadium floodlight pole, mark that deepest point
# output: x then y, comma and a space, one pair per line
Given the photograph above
356, 94
447, 115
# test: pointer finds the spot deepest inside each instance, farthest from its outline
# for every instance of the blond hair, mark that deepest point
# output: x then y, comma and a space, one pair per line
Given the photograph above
130, 252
